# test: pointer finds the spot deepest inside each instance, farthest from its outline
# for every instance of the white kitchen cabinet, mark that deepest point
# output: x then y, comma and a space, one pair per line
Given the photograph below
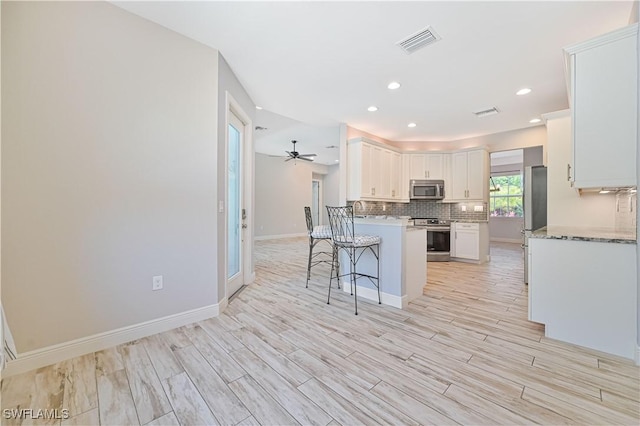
373, 172
469, 176
396, 175
470, 241
585, 292
426, 166
384, 173
603, 89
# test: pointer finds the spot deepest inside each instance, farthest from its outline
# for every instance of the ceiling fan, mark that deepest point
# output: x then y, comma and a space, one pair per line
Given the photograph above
295, 155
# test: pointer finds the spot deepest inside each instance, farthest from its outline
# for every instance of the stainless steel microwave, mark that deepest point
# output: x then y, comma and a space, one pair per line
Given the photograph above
426, 189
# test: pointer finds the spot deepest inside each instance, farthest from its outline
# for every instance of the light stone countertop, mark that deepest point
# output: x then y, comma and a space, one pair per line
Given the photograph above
603, 235
383, 220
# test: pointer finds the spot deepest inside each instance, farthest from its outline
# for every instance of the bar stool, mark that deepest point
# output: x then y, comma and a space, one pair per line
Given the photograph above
318, 234
344, 237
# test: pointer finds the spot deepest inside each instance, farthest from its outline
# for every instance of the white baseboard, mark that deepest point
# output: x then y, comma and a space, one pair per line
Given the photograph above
279, 236
637, 360
52, 354
372, 294
506, 240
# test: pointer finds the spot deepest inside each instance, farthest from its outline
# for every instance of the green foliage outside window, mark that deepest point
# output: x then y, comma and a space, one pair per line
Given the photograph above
507, 202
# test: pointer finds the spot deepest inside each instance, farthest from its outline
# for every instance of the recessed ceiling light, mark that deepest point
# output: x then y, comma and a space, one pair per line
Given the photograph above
604, 191
393, 85
337, 161
411, 125
372, 108
524, 91
258, 107
534, 120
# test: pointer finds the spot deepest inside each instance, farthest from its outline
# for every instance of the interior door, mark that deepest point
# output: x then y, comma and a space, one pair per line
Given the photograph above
315, 202
235, 208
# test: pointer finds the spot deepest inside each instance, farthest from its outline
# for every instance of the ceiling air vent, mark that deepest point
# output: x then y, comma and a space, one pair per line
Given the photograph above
419, 40
486, 112
260, 128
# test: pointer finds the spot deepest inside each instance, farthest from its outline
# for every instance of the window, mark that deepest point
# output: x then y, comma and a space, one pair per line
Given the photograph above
507, 201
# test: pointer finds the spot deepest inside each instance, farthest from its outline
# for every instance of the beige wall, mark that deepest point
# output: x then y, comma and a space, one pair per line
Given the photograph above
513, 139
282, 190
565, 207
331, 193
109, 169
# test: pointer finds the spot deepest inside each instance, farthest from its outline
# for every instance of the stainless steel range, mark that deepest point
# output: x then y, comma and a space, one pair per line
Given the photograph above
438, 238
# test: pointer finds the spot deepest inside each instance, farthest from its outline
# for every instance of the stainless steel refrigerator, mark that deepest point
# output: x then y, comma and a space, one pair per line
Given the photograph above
535, 207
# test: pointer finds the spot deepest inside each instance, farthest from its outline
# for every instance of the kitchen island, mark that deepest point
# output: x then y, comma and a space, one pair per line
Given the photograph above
403, 260
583, 287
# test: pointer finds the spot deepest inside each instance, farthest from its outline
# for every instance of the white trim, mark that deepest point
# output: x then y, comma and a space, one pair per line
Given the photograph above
50, 355
247, 153
506, 240
637, 359
279, 236
400, 302
624, 32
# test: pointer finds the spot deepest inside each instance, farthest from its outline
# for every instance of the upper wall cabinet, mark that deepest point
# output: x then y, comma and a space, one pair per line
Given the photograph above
426, 166
469, 176
602, 76
373, 172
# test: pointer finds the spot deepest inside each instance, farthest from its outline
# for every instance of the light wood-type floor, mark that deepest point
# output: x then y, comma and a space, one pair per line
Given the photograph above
462, 353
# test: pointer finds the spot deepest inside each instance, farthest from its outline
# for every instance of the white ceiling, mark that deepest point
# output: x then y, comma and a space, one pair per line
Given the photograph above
324, 63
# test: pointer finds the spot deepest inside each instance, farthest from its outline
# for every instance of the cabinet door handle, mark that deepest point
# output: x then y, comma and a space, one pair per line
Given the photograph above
569, 172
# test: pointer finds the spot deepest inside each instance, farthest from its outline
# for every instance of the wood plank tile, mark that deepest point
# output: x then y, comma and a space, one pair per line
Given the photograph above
410, 406
218, 358
300, 407
148, 394
484, 406
168, 419
161, 356
365, 401
188, 405
89, 418
280, 363
80, 387
222, 402
109, 361
342, 410
116, 405
262, 406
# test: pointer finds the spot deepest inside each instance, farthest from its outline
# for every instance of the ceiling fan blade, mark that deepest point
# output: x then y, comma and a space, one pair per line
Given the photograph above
308, 155
305, 159
289, 159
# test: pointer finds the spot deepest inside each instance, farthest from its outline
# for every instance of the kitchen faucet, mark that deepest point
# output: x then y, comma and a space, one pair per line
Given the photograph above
358, 202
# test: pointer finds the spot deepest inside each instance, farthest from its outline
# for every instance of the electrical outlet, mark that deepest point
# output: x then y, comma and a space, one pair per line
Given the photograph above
157, 283
384, 207
478, 208
463, 208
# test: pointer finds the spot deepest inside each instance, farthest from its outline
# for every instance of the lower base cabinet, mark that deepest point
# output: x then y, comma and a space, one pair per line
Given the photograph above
585, 293
470, 241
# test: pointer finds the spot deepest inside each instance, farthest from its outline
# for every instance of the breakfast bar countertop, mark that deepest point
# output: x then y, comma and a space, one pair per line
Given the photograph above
603, 235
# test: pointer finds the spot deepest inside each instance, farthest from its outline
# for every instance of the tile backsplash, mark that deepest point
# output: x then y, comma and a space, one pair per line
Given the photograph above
423, 208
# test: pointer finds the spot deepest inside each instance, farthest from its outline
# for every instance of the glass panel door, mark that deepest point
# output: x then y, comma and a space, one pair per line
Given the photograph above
234, 204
